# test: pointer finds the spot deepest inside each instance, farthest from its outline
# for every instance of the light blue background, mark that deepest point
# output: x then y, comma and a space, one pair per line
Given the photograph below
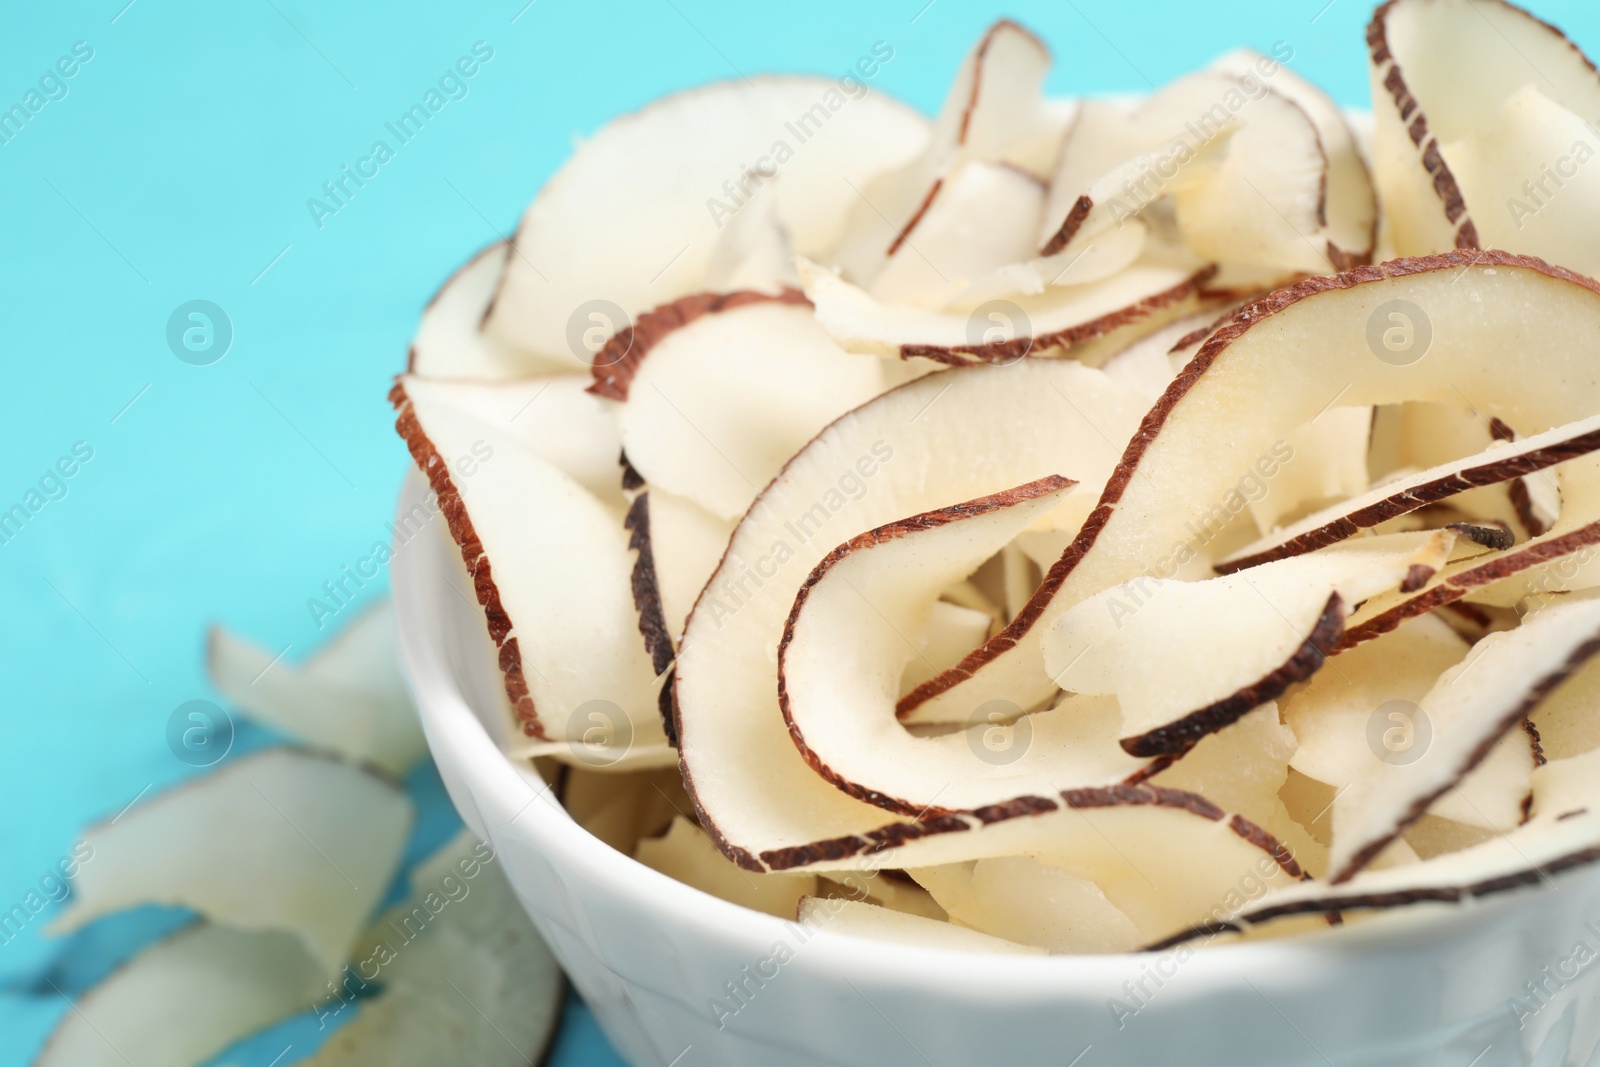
178, 167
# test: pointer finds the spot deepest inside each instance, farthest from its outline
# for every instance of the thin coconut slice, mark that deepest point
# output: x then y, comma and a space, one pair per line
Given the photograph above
983, 219
1019, 899
1111, 252
1284, 619
1431, 434
557, 600
632, 220
555, 417
1559, 561
1501, 682
1162, 868
348, 697
685, 853
450, 340
950, 632
1112, 313
995, 108
1351, 204
857, 918
846, 645
1481, 99
1531, 156
1244, 167
617, 361
282, 840
913, 448
1403, 495
892, 889
1304, 347
1563, 834
1262, 200
1244, 768
1323, 460
1145, 366
725, 399
1331, 716
465, 977
1367, 713
677, 545
185, 999
1566, 724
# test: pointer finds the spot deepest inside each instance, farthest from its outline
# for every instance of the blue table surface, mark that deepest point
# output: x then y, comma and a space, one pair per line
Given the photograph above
175, 164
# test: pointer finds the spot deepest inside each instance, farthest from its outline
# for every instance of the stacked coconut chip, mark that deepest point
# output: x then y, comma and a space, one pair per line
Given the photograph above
284, 857
1083, 524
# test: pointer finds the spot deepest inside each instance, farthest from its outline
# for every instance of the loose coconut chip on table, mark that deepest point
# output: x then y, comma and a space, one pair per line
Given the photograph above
185, 999
465, 977
283, 840
348, 698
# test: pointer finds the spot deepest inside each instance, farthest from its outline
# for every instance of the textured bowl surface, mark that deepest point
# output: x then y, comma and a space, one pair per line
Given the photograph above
677, 977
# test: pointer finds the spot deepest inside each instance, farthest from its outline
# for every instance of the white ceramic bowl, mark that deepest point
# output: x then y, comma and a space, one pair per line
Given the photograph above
1451, 987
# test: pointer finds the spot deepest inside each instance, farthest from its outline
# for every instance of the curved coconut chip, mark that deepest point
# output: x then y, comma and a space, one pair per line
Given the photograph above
185, 999
845, 646
619, 358
282, 840
554, 417
549, 564
465, 977
756, 796
1469, 99
450, 341
625, 224
348, 697
1190, 450
1090, 322
724, 399
982, 220
994, 108
1351, 202
1405, 495
1500, 683
1556, 562
1562, 835
1244, 166
1283, 620
1019, 899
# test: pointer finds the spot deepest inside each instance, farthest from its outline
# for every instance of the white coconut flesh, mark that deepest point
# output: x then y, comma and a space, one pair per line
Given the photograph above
624, 225
1192, 453
348, 697
282, 840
